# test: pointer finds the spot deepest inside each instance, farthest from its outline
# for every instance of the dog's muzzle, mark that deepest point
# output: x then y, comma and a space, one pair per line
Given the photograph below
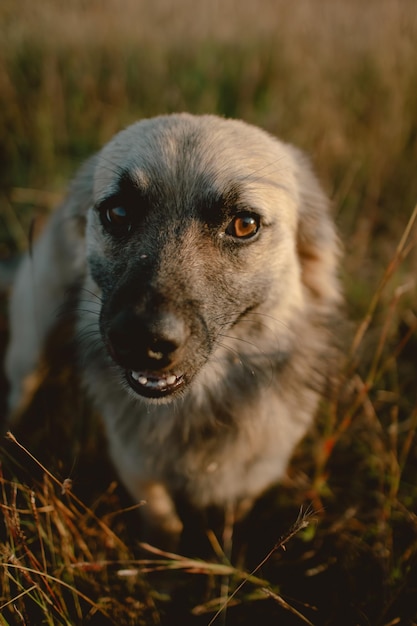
149, 349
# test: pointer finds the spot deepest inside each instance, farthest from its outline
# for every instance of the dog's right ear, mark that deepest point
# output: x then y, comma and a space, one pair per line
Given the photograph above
80, 194
318, 244
64, 236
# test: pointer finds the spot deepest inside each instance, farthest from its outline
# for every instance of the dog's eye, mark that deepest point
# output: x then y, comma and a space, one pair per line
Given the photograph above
116, 220
243, 226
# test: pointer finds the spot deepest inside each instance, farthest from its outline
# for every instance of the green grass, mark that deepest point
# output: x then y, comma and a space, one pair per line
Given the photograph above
339, 79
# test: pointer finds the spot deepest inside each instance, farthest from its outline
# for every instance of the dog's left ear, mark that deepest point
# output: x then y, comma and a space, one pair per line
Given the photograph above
318, 245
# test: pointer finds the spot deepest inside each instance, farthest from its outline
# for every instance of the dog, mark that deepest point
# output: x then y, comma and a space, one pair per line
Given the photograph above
205, 261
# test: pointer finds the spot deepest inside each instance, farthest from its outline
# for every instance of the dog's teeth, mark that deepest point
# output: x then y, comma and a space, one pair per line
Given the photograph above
139, 377
159, 383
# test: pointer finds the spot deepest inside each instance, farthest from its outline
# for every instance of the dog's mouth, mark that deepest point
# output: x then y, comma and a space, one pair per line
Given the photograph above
155, 386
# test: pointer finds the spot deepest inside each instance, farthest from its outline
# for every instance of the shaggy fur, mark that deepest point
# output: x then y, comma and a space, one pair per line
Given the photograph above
205, 263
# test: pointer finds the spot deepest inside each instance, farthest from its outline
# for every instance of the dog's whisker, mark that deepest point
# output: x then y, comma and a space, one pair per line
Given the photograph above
91, 293
266, 363
90, 334
246, 342
87, 310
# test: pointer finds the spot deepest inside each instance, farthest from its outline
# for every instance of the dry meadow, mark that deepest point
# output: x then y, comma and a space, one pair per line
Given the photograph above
337, 543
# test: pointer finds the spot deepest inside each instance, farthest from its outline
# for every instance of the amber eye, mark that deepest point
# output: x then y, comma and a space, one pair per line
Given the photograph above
116, 220
243, 226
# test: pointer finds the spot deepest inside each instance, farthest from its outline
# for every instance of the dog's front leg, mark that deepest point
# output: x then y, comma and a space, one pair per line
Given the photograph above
161, 524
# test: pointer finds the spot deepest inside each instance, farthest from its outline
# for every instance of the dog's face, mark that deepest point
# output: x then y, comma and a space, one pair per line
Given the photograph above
191, 243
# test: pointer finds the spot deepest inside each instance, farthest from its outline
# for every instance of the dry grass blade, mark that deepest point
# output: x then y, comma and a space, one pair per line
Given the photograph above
287, 606
382, 360
399, 255
114, 538
43, 586
48, 578
47, 566
303, 520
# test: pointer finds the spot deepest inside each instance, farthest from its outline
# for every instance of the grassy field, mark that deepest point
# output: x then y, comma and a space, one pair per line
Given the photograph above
339, 79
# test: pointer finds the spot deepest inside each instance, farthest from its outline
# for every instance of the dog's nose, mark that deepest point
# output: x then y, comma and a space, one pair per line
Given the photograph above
146, 343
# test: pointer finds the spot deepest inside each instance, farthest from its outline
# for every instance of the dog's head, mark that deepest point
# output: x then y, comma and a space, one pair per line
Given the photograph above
203, 234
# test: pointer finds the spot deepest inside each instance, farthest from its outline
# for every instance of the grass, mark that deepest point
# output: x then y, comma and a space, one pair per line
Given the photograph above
340, 80
61, 555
